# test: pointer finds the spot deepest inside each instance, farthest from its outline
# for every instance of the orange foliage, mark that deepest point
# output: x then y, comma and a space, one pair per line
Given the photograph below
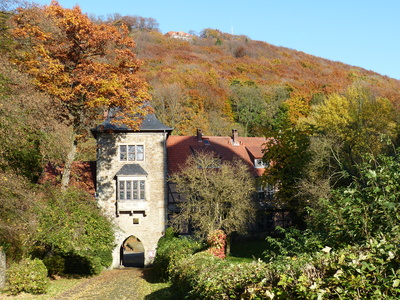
205, 68
88, 67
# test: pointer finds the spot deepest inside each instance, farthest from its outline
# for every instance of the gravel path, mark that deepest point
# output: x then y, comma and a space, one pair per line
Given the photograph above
120, 284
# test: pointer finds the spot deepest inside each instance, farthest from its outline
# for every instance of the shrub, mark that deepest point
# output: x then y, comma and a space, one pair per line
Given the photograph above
28, 276
216, 241
367, 207
171, 249
72, 227
292, 242
203, 276
367, 271
55, 265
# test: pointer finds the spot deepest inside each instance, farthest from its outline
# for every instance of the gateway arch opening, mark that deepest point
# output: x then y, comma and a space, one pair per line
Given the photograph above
132, 253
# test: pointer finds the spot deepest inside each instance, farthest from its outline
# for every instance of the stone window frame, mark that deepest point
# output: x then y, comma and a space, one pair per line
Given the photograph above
130, 155
139, 182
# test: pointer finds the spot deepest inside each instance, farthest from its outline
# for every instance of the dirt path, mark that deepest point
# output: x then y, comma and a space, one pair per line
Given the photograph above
126, 283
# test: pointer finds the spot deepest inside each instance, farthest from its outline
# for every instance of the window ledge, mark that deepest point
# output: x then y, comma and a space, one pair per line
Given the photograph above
132, 206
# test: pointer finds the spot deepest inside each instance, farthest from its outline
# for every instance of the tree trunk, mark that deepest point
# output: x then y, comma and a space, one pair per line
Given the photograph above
68, 164
228, 244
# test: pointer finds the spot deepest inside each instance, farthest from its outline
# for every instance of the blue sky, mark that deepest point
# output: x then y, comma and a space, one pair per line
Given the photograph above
363, 33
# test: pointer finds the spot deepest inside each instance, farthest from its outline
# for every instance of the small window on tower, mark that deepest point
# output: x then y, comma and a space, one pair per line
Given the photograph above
131, 152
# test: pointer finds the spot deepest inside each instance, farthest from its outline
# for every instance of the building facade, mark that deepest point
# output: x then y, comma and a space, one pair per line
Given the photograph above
131, 170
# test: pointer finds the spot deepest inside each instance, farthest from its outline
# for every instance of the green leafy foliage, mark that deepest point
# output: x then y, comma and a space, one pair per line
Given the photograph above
355, 122
355, 255
249, 106
287, 154
367, 271
28, 276
55, 265
370, 205
73, 227
292, 242
18, 221
171, 249
203, 276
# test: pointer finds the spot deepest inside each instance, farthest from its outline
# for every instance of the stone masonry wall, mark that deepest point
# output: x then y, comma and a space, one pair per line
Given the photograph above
151, 224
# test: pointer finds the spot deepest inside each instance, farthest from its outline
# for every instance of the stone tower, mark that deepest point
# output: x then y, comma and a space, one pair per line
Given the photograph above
131, 184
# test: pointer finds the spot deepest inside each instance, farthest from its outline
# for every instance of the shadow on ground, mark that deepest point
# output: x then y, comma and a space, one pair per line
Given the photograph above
134, 260
164, 290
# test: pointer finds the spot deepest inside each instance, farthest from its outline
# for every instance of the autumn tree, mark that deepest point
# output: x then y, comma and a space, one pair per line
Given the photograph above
249, 105
87, 68
217, 194
287, 155
346, 128
133, 22
168, 101
356, 122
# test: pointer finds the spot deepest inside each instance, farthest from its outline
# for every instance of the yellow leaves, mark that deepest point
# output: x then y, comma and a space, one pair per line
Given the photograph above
333, 114
298, 108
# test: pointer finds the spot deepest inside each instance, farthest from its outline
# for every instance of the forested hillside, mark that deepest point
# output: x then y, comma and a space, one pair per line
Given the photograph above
217, 81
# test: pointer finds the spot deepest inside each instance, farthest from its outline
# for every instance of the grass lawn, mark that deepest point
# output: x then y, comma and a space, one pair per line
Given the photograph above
56, 287
247, 250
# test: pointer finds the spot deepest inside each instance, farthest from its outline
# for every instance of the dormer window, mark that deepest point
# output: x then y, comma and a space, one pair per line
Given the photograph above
259, 163
131, 152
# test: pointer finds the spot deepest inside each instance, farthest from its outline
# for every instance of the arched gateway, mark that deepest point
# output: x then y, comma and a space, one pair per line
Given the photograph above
132, 253
130, 184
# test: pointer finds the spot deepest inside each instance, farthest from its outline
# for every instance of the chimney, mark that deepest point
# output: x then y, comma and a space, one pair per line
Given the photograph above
199, 135
235, 140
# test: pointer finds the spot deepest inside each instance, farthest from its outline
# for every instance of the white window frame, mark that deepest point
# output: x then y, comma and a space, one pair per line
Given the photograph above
130, 155
129, 186
259, 163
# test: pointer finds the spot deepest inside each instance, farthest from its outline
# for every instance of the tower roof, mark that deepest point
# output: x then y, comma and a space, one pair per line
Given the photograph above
150, 123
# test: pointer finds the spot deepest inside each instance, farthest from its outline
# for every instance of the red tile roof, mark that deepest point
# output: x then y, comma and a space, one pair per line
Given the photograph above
247, 148
83, 175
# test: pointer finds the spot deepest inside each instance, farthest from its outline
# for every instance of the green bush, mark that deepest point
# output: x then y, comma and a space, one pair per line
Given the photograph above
367, 271
71, 226
185, 273
171, 249
204, 276
368, 206
28, 276
55, 265
292, 242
